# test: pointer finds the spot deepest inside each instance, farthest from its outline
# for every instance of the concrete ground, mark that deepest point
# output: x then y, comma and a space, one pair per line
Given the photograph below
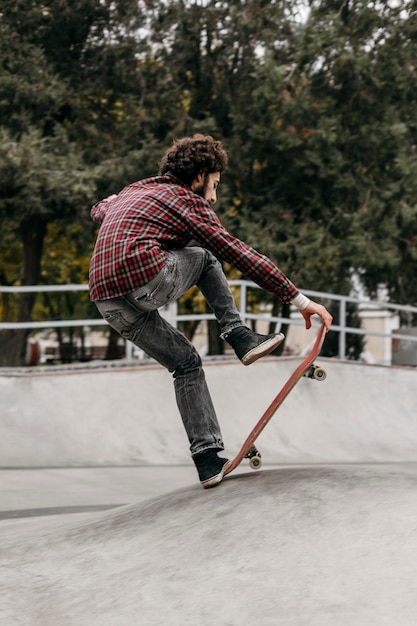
33, 492
325, 534
291, 545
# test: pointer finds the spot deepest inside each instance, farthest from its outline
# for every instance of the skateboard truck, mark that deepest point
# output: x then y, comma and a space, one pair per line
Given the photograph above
255, 458
316, 372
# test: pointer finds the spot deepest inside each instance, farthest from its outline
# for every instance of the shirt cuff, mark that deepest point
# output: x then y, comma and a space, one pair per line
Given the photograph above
301, 301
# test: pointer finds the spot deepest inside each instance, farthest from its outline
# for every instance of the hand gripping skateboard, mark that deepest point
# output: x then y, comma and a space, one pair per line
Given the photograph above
306, 368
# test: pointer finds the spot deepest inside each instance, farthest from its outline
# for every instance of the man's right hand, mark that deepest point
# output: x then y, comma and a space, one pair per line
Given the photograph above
313, 308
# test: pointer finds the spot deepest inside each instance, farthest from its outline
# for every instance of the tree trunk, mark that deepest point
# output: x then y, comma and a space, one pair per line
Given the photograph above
13, 342
112, 350
215, 343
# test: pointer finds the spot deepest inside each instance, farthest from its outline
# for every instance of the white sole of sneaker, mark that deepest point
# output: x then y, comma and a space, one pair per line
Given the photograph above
263, 349
215, 480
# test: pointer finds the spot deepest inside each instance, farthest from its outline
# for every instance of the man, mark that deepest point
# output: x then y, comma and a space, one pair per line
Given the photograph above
141, 262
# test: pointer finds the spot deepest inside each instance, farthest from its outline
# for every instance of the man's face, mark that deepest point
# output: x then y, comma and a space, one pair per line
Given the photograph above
205, 185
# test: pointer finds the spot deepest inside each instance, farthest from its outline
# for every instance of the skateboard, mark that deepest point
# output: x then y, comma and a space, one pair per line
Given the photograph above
306, 368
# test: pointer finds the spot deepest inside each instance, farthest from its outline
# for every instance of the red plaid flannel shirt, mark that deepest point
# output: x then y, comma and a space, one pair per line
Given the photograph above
150, 217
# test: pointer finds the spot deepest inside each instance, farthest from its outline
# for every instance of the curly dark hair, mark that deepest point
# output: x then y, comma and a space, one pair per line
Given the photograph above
190, 156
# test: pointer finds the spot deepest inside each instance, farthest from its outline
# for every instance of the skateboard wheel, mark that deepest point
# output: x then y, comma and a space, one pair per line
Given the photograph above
319, 374
255, 462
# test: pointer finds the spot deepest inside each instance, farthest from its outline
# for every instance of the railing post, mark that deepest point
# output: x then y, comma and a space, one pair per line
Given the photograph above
342, 333
242, 300
129, 350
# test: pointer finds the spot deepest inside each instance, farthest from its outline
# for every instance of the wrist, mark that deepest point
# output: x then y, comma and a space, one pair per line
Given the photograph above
301, 301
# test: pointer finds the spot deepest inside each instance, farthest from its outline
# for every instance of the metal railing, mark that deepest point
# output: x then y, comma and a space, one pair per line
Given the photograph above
243, 286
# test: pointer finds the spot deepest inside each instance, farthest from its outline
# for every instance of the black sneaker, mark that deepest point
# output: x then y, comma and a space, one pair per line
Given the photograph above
210, 467
250, 346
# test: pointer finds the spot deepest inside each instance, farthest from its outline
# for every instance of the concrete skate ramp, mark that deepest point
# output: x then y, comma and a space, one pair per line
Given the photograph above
128, 416
291, 547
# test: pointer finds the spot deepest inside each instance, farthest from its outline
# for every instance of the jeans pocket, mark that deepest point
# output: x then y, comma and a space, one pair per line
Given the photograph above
124, 319
159, 291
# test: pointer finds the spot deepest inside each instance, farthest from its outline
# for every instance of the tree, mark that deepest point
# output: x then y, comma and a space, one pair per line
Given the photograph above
315, 109
329, 158
37, 169
64, 69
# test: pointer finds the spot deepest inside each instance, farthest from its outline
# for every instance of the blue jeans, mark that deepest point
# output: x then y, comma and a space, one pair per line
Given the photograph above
135, 317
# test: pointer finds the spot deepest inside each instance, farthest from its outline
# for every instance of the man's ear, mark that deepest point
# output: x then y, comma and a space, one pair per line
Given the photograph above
197, 181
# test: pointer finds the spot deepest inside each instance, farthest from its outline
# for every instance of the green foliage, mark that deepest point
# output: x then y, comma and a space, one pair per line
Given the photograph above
314, 102
43, 176
328, 157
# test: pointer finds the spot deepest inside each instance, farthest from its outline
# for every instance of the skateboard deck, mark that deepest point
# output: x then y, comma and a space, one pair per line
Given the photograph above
305, 368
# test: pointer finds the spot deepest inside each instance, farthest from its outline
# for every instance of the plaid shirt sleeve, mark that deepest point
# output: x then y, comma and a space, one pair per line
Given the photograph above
207, 229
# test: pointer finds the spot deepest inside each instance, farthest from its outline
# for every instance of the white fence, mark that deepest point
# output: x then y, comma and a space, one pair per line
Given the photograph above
406, 337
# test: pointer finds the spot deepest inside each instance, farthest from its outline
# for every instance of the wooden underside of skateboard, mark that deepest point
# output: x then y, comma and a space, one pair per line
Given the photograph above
306, 368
